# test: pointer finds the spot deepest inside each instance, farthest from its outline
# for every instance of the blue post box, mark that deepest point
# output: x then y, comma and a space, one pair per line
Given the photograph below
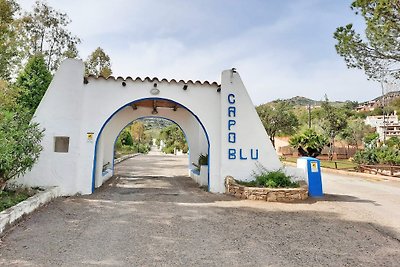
312, 168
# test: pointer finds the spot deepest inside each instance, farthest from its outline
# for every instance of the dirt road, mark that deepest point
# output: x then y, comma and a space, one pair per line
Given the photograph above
374, 200
151, 214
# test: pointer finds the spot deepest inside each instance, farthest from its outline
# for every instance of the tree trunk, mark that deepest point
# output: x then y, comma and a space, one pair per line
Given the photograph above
272, 140
331, 150
2, 184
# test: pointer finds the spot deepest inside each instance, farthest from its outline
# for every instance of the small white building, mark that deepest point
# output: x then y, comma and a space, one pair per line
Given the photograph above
389, 130
386, 125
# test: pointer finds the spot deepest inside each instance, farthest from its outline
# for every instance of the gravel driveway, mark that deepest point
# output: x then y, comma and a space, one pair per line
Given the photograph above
152, 214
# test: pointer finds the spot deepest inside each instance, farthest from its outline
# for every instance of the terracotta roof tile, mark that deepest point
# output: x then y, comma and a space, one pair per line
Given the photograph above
154, 79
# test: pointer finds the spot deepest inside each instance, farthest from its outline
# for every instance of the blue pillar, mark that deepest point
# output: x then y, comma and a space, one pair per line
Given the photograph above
312, 167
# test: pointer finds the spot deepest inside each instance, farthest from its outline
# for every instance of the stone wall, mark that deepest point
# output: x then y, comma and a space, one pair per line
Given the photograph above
266, 194
125, 157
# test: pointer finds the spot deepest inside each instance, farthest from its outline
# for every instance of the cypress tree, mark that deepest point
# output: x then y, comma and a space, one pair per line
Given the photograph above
32, 83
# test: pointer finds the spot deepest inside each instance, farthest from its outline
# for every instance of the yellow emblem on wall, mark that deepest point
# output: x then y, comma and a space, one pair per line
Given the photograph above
89, 137
314, 166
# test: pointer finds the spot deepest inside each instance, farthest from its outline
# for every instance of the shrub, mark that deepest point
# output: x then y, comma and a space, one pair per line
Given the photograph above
275, 179
379, 155
135, 148
272, 179
388, 155
143, 148
393, 142
370, 140
20, 144
308, 143
203, 159
168, 150
125, 138
367, 156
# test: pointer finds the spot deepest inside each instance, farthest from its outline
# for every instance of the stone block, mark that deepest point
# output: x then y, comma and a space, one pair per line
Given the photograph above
271, 197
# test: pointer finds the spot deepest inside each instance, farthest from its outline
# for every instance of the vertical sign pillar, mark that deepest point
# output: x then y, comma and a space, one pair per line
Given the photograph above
312, 170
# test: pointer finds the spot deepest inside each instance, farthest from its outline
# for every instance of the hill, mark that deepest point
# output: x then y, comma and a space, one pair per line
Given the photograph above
304, 101
379, 101
387, 97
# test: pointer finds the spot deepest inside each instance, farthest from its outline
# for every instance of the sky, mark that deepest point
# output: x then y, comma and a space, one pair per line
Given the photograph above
280, 48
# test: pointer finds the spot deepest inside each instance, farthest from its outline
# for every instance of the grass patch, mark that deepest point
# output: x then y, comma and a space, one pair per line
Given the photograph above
340, 164
9, 198
247, 183
271, 179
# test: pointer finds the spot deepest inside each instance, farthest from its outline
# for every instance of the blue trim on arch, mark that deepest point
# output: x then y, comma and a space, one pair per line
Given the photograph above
146, 117
128, 104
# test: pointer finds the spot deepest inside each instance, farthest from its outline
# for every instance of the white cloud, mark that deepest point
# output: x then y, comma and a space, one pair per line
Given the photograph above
192, 40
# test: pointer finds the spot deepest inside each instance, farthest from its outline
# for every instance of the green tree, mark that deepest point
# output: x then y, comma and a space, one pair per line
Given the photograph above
377, 111
98, 64
381, 48
349, 109
33, 82
125, 138
8, 38
278, 118
355, 132
395, 104
302, 115
8, 96
45, 31
350, 105
308, 143
173, 138
370, 140
71, 52
137, 132
333, 122
19, 144
393, 142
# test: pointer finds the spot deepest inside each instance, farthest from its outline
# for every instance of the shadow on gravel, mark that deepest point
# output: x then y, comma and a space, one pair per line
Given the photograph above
339, 198
140, 185
72, 232
182, 189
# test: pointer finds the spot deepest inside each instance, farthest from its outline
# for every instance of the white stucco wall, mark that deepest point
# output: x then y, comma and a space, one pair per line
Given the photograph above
72, 108
58, 113
250, 135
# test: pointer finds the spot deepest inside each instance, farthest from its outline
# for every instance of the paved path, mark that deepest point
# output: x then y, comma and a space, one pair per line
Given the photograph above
151, 214
375, 200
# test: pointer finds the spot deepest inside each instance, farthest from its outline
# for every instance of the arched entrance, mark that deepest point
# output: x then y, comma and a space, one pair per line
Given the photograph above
195, 132
82, 115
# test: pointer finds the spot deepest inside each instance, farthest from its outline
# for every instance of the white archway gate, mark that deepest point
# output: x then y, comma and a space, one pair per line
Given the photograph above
196, 136
83, 116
